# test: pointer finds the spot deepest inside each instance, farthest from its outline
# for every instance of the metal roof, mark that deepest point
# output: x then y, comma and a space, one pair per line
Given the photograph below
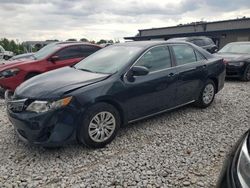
196, 27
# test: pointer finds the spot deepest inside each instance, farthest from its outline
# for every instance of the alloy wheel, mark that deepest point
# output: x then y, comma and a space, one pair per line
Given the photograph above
208, 94
102, 126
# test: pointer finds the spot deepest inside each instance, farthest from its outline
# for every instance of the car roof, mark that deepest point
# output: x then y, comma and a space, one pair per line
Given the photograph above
72, 43
147, 44
189, 38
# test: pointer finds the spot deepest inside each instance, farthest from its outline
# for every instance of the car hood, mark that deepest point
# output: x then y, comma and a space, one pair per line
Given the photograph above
234, 56
14, 63
55, 84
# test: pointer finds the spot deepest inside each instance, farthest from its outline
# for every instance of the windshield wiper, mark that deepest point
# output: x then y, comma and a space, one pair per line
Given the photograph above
87, 70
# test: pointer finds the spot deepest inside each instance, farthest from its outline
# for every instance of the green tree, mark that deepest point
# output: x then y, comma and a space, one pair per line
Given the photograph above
11, 45
102, 41
72, 40
84, 40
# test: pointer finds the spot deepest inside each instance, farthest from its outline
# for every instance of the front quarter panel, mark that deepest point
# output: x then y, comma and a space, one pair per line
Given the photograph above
105, 91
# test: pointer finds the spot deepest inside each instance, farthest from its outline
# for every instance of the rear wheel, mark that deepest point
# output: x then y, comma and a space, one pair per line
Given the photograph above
246, 75
207, 95
100, 125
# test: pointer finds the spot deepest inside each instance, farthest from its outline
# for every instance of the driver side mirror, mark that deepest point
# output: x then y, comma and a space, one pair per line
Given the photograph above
54, 58
137, 71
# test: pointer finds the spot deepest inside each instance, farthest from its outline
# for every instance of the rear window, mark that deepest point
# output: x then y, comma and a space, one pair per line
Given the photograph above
208, 41
198, 42
184, 54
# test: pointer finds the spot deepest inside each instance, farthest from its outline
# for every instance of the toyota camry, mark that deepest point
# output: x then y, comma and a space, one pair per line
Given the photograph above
117, 85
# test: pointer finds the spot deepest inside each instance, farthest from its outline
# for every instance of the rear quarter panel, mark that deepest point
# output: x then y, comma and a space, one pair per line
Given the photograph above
216, 70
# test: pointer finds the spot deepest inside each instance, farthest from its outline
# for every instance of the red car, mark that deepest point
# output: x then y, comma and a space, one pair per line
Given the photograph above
52, 56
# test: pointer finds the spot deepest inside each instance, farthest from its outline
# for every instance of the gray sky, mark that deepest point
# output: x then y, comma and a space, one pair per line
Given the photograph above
110, 19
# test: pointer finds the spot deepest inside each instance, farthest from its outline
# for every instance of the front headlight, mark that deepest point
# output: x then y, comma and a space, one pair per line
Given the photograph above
44, 106
239, 64
243, 166
9, 73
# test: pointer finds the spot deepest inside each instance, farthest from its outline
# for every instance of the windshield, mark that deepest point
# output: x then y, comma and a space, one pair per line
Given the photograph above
239, 48
108, 60
45, 51
1, 49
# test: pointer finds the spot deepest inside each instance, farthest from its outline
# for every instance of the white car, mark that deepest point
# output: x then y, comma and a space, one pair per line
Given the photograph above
5, 54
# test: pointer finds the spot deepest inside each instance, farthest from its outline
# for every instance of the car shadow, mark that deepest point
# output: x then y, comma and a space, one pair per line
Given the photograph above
233, 80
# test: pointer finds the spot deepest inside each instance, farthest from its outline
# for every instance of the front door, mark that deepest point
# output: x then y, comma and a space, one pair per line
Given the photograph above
66, 57
154, 92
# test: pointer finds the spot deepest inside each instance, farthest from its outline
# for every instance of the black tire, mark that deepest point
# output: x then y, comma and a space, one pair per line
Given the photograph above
6, 57
83, 135
201, 101
2, 91
30, 75
246, 75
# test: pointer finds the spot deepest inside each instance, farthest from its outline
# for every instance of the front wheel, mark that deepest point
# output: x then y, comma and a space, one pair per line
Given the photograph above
6, 57
100, 125
207, 95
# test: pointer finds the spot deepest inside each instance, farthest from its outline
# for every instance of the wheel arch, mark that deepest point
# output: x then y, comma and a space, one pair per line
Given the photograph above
116, 105
216, 83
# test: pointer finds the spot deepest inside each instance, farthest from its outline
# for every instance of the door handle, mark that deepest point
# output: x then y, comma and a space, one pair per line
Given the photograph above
201, 67
171, 74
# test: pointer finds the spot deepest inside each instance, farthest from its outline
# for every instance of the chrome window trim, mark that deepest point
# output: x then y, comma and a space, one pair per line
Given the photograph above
160, 45
172, 66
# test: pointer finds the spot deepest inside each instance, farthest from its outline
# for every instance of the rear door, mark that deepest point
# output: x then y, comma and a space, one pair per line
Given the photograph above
191, 70
153, 92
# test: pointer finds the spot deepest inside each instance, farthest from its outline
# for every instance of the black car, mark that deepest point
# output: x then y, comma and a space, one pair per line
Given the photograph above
201, 41
237, 56
117, 85
236, 170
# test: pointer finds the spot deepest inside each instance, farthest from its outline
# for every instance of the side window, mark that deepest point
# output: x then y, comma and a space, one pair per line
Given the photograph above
70, 53
156, 59
208, 41
198, 42
199, 57
88, 50
183, 54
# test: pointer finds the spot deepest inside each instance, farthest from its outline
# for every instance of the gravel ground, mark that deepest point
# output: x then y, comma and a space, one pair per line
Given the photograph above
184, 148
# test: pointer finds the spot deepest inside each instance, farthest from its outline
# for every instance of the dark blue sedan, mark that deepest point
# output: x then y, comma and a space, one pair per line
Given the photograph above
117, 85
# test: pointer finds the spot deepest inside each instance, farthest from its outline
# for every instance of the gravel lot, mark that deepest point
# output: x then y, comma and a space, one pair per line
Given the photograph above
184, 148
